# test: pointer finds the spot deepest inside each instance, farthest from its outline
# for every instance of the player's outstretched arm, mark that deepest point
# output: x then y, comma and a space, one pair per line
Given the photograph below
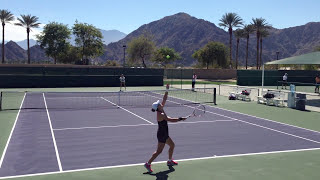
165, 97
175, 119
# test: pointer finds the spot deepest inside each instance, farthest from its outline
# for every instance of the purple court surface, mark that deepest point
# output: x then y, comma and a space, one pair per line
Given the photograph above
47, 138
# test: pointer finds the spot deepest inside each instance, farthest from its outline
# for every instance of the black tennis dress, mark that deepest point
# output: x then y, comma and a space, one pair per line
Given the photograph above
163, 132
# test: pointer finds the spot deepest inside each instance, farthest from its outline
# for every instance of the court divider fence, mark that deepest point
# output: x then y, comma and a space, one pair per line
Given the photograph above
45, 76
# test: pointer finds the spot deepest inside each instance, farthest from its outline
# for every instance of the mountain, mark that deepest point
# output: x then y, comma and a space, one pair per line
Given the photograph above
293, 41
181, 31
38, 54
24, 44
108, 36
13, 52
112, 36
186, 34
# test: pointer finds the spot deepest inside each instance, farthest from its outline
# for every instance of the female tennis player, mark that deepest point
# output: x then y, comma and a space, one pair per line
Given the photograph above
163, 133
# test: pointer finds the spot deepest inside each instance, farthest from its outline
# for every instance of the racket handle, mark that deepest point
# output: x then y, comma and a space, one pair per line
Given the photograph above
183, 118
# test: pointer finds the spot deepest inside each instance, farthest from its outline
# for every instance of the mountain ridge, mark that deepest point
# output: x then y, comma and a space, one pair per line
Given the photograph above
187, 34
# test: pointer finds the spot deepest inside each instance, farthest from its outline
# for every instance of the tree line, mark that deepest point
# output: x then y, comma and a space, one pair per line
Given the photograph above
215, 53
54, 39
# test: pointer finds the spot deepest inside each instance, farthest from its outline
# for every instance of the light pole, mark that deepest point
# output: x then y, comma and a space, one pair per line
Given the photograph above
277, 59
124, 55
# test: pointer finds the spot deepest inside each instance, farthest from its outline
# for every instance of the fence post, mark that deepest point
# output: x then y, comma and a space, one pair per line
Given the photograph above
215, 96
171, 78
181, 77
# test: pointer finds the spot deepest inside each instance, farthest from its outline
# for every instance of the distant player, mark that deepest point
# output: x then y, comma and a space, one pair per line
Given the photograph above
194, 78
163, 132
316, 90
284, 80
122, 82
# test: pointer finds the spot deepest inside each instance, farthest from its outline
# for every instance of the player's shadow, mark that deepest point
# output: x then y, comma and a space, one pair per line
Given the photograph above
162, 175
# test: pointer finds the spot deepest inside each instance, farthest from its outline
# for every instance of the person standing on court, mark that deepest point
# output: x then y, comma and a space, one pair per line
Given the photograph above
194, 78
163, 132
284, 80
316, 90
122, 82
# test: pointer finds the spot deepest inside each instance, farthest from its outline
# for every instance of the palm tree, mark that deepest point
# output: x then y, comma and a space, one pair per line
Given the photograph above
230, 20
259, 24
239, 33
28, 22
263, 34
5, 17
248, 29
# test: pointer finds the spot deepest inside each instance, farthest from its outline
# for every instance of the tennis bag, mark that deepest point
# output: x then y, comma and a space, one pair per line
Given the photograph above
245, 92
232, 97
268, 95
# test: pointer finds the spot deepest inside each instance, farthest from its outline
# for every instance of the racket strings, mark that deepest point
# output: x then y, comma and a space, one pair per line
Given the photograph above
199, 110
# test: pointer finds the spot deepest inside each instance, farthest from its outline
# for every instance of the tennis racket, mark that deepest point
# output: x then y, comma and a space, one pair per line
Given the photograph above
198, 111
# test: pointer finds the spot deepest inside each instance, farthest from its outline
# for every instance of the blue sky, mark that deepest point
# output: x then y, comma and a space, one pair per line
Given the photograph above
128, 15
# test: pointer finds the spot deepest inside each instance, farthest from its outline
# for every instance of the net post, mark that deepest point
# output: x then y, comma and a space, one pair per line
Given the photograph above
181, 77
215, 96
0, 100
119, 98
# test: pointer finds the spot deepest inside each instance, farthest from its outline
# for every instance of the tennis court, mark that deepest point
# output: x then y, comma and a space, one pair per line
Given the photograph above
58, 132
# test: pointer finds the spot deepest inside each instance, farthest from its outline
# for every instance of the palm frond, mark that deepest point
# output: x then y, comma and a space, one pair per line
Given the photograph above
230, 20
28, 21
239, 33
260, 23
36, 25
264, 33
248, 29
6, 16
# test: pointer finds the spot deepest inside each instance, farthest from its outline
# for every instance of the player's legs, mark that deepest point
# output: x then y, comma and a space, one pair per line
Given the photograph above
285, 85
125, 87
157, 152
170, 162
171, 147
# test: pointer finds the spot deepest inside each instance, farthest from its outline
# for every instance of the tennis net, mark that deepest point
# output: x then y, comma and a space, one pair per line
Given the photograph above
299, 86
12, 100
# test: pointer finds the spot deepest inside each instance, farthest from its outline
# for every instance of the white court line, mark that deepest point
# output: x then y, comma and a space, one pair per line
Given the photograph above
256, 117
268, 120
136, 125
72, 97
159, 162
251, 124
52, 133
14, 125
127, 110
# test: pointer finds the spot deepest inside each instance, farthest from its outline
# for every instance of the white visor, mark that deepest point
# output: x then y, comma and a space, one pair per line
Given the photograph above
155, 105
